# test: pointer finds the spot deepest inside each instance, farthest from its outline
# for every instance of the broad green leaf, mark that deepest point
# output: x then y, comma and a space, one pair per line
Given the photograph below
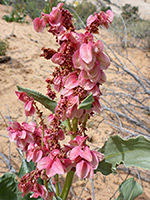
131, 152
44, 100
26, 167
8, 186
129, 190
104, 167
87, 102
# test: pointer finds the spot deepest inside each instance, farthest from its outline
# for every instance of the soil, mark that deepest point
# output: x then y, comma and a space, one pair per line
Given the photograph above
27, 69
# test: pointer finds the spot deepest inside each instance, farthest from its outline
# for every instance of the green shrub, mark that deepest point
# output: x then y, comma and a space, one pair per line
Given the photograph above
18, 13
3, 47
84, 9
130, 12
137, 30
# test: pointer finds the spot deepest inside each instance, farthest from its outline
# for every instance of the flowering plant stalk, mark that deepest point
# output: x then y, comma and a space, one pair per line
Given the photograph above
80, 73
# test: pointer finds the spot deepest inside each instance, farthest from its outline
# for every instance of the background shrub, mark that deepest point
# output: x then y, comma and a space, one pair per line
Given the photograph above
3, 47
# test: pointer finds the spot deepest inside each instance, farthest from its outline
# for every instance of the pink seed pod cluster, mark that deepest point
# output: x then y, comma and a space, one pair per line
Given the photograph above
81, 63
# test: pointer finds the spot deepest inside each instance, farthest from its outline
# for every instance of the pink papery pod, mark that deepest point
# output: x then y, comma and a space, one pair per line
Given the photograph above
96, 105
29, 154
39, 190
103, 60
78, 141
33, 153
67, 163
83, 75
72, 107
44, 163
86, 84
96, 158
76, 60
26, 189
95, 74
87, 58
21, 144
71, 81
55, 152
22, 134
57, 83
22, 96
52, 165
98, 46
45, 18
95, 91
19, 134
13, 135
57, 59
91, 19
30, 127
56, 168
29, 108
75, 38
78, 112
86, 154
66, 92
102, 78
71, 111
55, 17
83, 169
38, 24
86, 52
28, 139
37, 155
14, 130
62, 36
15, 125
50, 118
75, 153
73, 100
110, 15
60, 5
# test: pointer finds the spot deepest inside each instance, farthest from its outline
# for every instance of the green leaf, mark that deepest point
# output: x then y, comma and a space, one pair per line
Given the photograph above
87, 102
44, 100
131, 152
23, 169
8, 186
104, 167
129, 190
26, 167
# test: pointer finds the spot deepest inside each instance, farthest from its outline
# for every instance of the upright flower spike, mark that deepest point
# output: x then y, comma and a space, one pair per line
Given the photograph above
81, 63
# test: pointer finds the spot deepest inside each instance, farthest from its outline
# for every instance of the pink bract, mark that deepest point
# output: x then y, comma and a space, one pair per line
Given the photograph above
38, 24
29, 108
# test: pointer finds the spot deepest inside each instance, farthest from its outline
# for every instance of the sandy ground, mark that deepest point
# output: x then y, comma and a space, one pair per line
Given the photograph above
27, 69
